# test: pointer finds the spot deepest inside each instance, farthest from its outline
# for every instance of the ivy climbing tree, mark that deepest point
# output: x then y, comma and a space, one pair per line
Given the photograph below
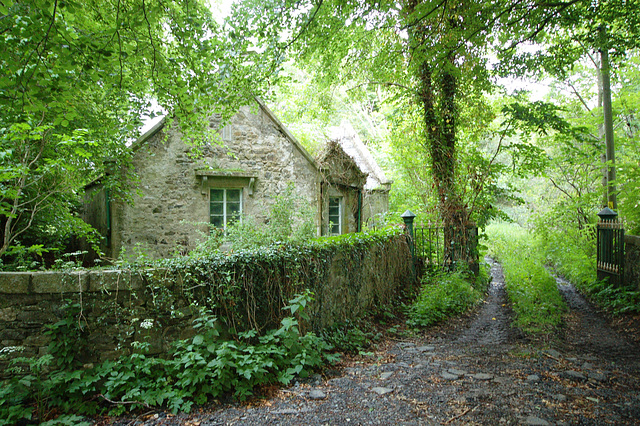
432, 56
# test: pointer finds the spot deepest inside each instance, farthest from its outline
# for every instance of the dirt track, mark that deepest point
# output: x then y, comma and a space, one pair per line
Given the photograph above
475, 370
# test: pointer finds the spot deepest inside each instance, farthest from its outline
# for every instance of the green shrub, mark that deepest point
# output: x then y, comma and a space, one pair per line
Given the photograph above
617, 300
572, 253
349, 337
442, 296
261, 280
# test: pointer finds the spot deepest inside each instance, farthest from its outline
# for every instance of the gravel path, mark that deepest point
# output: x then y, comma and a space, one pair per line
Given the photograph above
476, 370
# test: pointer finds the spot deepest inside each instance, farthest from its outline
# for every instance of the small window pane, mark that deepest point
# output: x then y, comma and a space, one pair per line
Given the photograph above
227, 132
335, 215
233, 195
217, 195
233, 211
225, 207
217, 221
335, 228
217, 209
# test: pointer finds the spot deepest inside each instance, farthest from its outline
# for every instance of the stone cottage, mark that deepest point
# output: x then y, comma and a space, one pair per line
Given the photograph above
257, 160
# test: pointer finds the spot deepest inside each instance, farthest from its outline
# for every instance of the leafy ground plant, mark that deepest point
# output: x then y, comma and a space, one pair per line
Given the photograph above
614, 299
205, 366
353, 337
442, 296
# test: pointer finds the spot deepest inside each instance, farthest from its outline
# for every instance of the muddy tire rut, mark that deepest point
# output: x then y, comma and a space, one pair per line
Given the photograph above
586, 329
492, 324
476, 370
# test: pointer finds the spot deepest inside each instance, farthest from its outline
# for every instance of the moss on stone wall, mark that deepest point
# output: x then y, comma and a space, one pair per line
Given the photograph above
632, 260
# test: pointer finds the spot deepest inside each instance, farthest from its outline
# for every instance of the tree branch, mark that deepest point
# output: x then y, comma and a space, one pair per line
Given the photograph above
575, 91
543, 24
382, 83
144, 12
488, 168
42, 43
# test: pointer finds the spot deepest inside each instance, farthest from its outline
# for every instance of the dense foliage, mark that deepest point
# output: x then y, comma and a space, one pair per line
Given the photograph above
78, 77
248, 337
418, 77
576, 262
205, 366
248, 286
444, 295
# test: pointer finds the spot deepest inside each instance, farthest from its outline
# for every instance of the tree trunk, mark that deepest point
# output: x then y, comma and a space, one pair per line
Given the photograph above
610, 188
440, 122
438, 90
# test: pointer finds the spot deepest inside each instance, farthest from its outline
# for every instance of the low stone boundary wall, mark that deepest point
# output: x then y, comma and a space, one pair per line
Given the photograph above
118, 307
632, 260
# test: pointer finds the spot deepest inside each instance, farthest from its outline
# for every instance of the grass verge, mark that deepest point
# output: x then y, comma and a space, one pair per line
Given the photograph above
532, 291
573, 255
442, 296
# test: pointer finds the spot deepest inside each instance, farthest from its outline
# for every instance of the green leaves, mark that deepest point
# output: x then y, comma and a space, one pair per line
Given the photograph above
441, 297
94, 65
535, 117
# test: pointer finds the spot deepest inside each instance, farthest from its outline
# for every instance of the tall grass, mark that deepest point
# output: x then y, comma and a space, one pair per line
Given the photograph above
572, 253
532, 291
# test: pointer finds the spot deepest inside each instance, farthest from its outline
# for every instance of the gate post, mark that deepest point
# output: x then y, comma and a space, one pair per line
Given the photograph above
408, 217
610, 247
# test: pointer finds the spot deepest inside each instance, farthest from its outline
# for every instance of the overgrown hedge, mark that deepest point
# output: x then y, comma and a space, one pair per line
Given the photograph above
349, 276
249, 288
250, 310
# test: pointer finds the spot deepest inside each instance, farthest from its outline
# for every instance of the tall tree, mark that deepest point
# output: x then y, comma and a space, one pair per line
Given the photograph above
432, 52
604, 32
78, 77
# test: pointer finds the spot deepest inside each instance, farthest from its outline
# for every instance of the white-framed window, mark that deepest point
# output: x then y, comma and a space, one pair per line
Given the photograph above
227, 133
225, 206
335, 215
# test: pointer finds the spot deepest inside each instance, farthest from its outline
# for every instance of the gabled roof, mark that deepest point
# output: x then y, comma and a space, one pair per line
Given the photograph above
352, 145
286, 132
338, 167
158, 126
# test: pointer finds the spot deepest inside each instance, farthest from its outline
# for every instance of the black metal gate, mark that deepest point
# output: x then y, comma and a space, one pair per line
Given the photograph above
429, 245
610, 245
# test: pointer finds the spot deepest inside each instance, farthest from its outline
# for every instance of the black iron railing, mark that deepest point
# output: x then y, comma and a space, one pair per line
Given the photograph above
435, 246
610, 247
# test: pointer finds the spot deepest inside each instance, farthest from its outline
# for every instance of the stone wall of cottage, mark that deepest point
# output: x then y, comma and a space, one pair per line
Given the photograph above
172, 204
374, 204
